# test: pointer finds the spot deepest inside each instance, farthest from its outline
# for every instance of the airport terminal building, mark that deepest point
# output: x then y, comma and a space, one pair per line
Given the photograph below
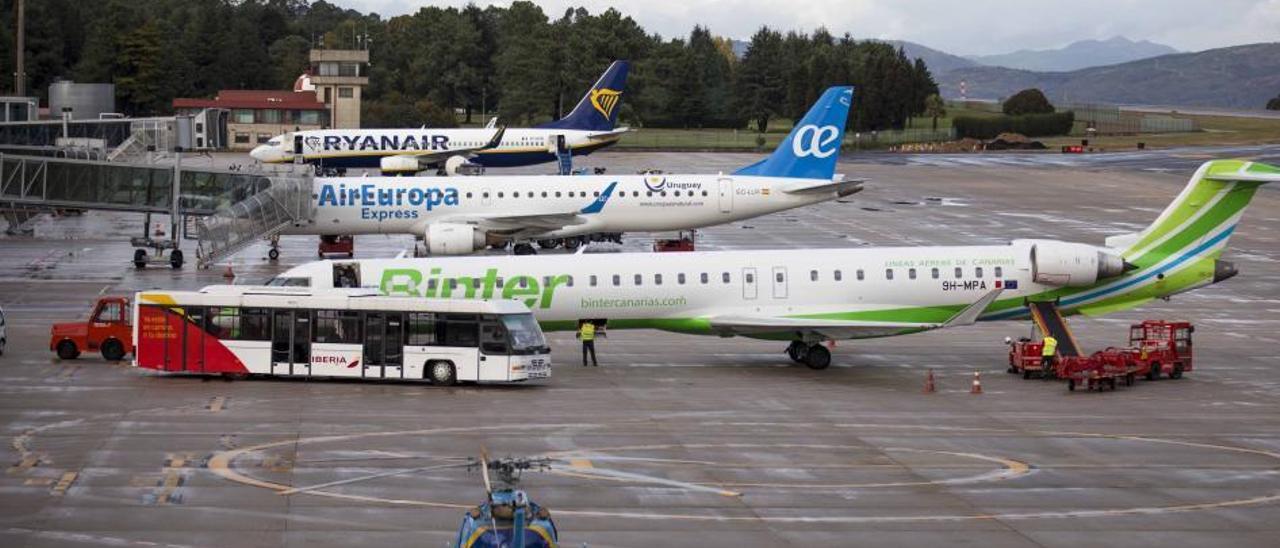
259, 115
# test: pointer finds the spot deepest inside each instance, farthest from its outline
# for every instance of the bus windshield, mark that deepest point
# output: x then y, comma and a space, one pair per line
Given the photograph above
524, 333
281, 281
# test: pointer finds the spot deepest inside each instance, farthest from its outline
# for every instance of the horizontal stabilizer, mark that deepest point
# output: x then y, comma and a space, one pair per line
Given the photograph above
842, 187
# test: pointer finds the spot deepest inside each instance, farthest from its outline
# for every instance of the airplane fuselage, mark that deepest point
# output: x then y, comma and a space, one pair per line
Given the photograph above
365, 148
648, 203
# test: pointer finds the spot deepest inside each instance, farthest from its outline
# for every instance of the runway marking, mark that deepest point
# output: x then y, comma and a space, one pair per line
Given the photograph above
64, 483
222, 463
216, 403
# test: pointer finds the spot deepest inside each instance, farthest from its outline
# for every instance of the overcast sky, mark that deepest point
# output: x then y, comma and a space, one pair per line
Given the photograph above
966, 27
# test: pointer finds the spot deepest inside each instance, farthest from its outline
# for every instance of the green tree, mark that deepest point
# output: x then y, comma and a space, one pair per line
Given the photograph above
526, 70
140, 82
1027, 101
1274, 103
292, 55
762, 80
935, 108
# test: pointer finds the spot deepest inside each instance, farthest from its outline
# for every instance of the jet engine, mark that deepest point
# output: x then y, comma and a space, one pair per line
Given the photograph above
399, 165
453, 239
1073, 264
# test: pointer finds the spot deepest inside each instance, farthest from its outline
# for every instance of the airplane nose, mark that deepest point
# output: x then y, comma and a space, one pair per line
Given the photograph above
259, 153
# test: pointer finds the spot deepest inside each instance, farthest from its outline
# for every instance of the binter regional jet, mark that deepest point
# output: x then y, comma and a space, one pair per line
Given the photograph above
811, 295
590, 126
460, 215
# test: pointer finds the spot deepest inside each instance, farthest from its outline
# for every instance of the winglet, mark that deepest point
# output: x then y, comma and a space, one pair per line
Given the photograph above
496, 139
598, 205
970, 313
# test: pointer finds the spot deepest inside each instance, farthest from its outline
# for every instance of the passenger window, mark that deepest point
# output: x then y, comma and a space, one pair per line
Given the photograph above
860, 275
959, 272
888, 273
499, 283
592, 280
544, 194
515, 194
934, 273
568, 281
679, 280
657, 279
557, 194
725, 277
499, 194
977, 272
704, 278
639, 280
838, 276
999, 272
813, 275
911, 273
617, 280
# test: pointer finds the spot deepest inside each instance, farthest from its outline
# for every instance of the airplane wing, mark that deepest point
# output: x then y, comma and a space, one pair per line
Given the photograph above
842, 329
429, 157
608, 135
842, 187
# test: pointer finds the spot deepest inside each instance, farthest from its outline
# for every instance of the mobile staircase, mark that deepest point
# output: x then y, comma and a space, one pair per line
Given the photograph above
284, 202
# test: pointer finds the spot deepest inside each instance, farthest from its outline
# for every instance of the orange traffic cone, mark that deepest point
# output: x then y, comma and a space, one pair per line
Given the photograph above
977, 383
928, 383
229, 274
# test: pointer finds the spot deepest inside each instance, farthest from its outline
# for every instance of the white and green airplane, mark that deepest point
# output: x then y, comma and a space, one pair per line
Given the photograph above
808, 296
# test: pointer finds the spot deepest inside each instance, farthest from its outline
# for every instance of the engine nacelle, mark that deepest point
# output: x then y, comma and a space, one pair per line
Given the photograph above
453, 239
399, 165
1072, 264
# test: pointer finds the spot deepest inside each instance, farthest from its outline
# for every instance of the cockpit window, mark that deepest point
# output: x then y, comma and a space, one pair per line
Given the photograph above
275, 142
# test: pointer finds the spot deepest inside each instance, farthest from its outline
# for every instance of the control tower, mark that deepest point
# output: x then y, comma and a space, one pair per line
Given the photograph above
339, 77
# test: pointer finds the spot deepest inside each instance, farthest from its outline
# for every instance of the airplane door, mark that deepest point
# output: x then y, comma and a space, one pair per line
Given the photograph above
749, 291
726, 195
779, 282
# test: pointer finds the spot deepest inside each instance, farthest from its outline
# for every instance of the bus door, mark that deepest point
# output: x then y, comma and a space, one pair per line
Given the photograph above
495, 361
290, 342
749, 283
174, 339
383, 345
193, 340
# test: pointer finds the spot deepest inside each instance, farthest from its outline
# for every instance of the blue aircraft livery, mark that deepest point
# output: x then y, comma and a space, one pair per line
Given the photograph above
391, 203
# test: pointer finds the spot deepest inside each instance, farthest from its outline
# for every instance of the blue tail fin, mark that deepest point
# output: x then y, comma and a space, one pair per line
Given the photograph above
812, 148
598, 109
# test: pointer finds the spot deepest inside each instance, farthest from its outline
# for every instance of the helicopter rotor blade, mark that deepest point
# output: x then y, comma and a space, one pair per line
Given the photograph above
484, 470
297, 490
605, 473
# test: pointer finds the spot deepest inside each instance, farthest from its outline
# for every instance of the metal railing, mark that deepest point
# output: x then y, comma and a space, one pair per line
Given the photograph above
285, 202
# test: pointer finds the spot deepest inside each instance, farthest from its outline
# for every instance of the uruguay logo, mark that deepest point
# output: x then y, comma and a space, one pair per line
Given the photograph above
313, 142
655, 184
604, 99
811, 140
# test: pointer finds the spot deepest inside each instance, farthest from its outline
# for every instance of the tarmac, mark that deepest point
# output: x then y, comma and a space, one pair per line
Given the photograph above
724, 442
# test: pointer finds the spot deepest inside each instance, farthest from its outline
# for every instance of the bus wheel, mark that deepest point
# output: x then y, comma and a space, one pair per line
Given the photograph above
1154, 373
67, 350
1177, 371
112, 350
818, 357
175, 259
441, 373
139, 258
1071, 385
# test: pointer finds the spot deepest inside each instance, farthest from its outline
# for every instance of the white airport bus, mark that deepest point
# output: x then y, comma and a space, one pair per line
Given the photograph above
300, 332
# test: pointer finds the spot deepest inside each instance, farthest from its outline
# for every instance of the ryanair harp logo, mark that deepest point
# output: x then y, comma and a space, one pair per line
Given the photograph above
604, 99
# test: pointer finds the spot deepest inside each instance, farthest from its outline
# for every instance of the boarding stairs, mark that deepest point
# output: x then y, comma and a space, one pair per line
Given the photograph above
564, 161
147, 142
1050, 322
286, 202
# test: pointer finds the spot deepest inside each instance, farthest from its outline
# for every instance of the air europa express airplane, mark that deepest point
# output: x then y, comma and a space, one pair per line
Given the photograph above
459, 215
587, 128
811, 295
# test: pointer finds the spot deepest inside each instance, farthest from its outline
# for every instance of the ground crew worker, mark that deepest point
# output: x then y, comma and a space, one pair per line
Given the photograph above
587, 334
1047, 354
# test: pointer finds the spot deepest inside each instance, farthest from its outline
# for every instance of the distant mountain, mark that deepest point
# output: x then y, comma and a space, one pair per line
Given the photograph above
1077, 55
1234, 77
937, 61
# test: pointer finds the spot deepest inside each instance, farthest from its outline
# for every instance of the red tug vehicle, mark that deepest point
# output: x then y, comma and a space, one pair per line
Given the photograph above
108, 330
1156, 348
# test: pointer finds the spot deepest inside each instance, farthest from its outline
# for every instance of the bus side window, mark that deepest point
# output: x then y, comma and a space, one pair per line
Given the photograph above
461, 330
255, 324
422, 329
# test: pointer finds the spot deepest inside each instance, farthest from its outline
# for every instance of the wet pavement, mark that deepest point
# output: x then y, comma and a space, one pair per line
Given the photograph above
753, 451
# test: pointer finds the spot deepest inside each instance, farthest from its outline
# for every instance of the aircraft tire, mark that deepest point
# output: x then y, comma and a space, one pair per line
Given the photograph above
797, 351
818, 357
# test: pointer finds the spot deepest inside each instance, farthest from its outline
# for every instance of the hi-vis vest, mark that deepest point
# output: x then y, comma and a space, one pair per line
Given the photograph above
587, 332
1050, 346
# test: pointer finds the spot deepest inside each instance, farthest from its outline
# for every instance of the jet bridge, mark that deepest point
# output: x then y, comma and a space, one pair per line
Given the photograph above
231, 208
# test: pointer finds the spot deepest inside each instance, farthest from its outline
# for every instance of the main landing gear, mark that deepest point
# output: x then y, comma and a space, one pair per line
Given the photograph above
813, 355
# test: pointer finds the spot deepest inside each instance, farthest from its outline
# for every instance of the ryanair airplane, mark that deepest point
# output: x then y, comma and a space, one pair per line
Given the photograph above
589, 127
